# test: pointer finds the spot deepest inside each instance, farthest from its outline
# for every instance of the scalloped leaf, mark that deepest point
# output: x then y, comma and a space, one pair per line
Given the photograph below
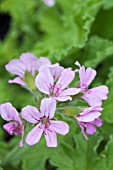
66, 27
97, 50
108, 105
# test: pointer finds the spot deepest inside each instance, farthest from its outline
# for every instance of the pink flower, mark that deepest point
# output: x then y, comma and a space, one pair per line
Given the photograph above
92, 96
54, 81
50, 3
10, 114
89, 118
45, 125
27, 62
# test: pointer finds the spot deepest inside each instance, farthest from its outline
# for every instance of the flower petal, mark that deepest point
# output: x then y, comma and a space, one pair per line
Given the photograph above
82, 75
90, 109
50, 3
82, 130
88, 117
29, 60
90, 75
100, 91
70, 91
86, 76
48, 107
66, 78
63, 98
34, 135
90, 129
9, 127
51, 138
44, 80
77, 64
56, 71
31, 114
97, 122
42, 61
16, 67
92, 99
18, 80
60, 127
8, 112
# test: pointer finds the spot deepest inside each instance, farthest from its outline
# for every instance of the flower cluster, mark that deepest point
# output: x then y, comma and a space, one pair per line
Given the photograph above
50, 83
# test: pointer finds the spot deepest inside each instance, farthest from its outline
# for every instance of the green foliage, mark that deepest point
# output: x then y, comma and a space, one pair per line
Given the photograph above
97, 50
72, 111
108, 106
67, 29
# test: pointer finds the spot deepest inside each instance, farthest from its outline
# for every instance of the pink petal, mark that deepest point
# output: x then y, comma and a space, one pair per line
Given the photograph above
92, 99
51, 138
66, 78
101, 91
31, 114
60, 127
34, 135
63, 98
18, 80
44, 80
82, 130
90, 109
53, 65
97, 122
42, 61
29, 60
70, 91
90, 75
82, 75
56, 71
77, 64
48, 107
4, 110
16, 67
86, 76
90, 129
88, 117
9, 127
8, 112
50, 3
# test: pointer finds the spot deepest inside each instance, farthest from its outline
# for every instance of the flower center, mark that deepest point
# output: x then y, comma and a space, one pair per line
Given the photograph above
17, 127
84, 88
45, 121
55, 90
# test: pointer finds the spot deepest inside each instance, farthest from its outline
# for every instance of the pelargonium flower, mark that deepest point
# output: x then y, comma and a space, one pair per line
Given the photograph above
10, 114
44, 124
89, 118
54, 81
92, 96
27, 62
50, 3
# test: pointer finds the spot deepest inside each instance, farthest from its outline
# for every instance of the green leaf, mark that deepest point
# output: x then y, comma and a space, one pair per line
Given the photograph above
107, 4
76, 152
30, 80
103, 24
67, 29
14, 93
97, 50
105, 161
1, 168
108, 106
71, 111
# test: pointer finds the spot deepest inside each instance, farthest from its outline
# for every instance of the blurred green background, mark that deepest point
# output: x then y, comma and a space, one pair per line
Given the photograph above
71, 30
